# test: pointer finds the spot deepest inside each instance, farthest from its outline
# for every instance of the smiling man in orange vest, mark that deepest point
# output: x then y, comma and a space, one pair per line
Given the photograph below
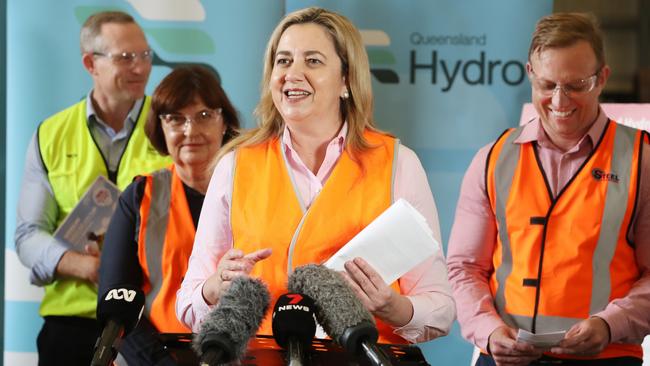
552, 229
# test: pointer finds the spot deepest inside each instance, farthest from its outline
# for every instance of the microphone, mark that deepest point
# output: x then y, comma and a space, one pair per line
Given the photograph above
294, 325
339, 311
118, 312
226, 330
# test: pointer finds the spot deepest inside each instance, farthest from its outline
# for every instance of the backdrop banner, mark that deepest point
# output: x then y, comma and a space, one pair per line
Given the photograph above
448, 78
45, 75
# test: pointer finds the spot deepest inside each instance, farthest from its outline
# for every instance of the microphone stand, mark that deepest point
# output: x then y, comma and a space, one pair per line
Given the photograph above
105, 348
375, 355
212, 357
295, 353
363, 337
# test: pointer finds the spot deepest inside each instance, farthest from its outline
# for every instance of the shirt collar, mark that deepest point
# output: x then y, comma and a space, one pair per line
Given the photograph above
338, 139
92, 117
534, 132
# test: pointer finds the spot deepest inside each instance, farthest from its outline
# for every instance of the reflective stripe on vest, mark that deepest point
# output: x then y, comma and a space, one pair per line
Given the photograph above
267, 211
73, 162
167, 231
573, 246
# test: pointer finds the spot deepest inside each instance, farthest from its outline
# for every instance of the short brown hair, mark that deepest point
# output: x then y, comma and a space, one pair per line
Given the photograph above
566, 29
89, 39
179, 89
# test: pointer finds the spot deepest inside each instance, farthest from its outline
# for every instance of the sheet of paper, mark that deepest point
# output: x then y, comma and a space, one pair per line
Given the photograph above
541, 340
89, 219
395, 242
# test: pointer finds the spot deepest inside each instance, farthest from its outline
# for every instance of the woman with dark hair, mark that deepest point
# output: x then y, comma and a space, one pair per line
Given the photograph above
151, 234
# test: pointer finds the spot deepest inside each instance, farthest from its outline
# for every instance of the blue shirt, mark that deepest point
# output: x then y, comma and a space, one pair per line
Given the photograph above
37, 209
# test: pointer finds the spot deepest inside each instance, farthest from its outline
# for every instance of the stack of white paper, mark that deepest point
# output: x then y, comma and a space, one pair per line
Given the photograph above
395, 242
541, 340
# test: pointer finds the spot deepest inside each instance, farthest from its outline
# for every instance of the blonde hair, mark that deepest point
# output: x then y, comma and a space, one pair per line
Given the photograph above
357, 109
566, 29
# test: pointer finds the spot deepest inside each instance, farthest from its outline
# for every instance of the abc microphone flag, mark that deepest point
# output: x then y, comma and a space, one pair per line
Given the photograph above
118, 312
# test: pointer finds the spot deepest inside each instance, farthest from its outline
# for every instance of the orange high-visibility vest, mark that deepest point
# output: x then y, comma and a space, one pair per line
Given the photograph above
559, 260
165, 243
267, 211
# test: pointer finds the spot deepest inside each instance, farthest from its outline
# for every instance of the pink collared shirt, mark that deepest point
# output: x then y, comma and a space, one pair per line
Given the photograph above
426, 285
473, 237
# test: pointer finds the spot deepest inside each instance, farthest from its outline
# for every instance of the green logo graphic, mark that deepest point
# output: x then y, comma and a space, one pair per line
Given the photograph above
172, 40
381, 60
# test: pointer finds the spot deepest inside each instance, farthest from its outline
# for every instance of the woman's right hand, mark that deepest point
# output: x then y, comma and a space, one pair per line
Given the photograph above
234, 263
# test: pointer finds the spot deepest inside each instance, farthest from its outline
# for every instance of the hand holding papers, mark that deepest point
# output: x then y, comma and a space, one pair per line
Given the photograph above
541, 340
88, 221
395, 242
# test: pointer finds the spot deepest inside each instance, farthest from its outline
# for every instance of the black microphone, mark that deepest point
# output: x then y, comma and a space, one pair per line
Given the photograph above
294, 325
118, 312
225, 332
339, 311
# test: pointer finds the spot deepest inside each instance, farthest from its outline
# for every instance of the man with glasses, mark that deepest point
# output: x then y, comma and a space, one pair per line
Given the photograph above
101, 135
552, 228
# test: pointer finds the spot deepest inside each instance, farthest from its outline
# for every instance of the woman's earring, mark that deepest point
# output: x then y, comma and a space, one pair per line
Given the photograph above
346, 95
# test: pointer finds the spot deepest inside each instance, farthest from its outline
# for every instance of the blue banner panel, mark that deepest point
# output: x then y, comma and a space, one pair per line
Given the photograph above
22, 325
45, 75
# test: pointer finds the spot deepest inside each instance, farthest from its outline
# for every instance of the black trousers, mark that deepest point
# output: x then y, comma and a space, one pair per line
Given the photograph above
485, 360
67, 340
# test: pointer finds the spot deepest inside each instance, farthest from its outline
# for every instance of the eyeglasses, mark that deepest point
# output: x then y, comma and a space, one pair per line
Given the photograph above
575, 88
178, 122
127, 58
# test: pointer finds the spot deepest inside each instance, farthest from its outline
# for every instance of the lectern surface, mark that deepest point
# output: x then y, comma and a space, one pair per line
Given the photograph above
263, 351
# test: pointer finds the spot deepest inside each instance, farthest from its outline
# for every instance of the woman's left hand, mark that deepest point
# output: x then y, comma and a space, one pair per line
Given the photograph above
377, 296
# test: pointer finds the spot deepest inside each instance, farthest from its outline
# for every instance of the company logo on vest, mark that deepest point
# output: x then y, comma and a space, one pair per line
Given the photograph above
601, 175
